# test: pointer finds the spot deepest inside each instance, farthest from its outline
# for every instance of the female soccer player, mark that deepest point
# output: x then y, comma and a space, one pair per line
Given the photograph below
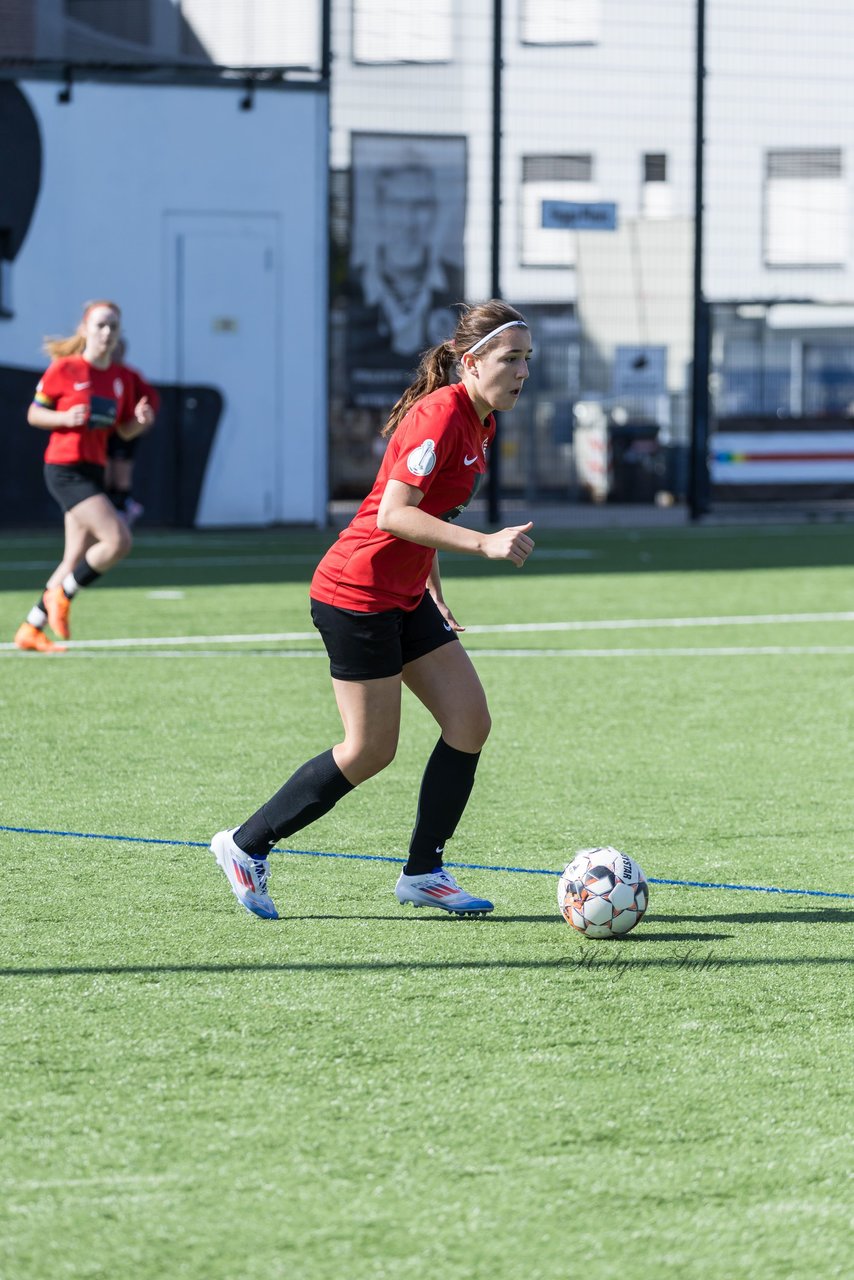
376, 599
82, 399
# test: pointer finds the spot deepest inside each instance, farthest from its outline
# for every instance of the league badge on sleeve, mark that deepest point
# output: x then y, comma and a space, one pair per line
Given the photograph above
422, 460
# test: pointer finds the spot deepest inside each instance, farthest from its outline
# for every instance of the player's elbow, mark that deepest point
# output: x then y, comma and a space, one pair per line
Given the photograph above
387, 521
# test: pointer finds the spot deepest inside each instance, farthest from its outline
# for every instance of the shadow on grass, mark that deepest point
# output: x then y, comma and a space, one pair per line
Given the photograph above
227, 557
817, 915
493, 921
577, 960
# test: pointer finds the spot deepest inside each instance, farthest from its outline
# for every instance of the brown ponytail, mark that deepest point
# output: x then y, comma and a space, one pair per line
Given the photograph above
439, 363
434, 371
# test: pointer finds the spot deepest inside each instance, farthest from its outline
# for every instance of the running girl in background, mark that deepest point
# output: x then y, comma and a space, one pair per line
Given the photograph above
81, 400
376, 599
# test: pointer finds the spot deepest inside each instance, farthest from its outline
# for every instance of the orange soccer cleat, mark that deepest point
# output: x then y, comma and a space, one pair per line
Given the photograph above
29, 637
58, 607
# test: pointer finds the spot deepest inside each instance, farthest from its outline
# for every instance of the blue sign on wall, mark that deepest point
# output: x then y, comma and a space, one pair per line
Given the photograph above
580, 215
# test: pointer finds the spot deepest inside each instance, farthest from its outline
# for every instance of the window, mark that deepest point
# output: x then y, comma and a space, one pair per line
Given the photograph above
806, 208
559, 21
130, 20
655, 167
552, 178
656, 194
401, 31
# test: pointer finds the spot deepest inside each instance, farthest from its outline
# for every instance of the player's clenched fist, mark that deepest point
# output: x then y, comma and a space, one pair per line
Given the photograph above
510, 544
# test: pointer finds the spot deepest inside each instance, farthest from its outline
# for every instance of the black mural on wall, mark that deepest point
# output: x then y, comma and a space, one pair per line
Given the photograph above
170, 462
20, 171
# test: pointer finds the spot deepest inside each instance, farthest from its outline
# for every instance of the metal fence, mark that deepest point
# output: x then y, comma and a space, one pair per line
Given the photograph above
664, 190
549, 152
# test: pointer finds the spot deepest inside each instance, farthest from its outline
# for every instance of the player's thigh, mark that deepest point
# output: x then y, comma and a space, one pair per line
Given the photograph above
78, 538
101, 520
370, 713
449, 687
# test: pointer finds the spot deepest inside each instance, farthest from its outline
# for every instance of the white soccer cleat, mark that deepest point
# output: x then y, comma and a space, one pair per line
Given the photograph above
247, 876
439, 889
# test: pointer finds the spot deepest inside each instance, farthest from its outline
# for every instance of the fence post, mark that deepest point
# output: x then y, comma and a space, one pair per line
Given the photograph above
698, 480
493, 479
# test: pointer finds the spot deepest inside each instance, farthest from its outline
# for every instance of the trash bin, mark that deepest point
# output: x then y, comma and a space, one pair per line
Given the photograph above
637, 462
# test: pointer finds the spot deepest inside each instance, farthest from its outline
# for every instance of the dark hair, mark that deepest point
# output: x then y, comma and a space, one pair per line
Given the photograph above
438, 364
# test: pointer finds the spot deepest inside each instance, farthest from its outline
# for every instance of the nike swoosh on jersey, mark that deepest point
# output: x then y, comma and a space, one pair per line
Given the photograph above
81, 386
468, 461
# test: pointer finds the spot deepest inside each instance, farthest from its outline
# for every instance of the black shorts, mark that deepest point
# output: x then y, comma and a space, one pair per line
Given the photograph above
71, 483
371, 646
119, 448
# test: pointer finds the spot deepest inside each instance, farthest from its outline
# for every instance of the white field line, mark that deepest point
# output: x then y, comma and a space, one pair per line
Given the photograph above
643, 624
509, 628
721, 651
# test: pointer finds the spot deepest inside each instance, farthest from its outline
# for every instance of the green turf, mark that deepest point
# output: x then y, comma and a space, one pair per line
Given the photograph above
362, 1092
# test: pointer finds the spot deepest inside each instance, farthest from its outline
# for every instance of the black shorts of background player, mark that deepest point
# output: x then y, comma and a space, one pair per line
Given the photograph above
121, 457
118, 477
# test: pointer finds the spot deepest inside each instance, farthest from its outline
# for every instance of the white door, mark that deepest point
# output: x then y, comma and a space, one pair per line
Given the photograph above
225, 326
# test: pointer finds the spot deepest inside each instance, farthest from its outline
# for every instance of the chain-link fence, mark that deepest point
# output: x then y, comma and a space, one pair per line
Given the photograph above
548, 151
777, 261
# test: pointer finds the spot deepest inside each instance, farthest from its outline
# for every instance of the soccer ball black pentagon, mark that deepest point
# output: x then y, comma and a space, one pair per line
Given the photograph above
602, 893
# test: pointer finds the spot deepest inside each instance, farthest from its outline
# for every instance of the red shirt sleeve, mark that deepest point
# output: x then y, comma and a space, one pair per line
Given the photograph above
52, 384
139, 387
425, 435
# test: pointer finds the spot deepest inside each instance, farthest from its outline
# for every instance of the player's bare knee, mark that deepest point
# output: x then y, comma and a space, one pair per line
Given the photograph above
369, 759
469, 733
121, 542
484, 726
379, 756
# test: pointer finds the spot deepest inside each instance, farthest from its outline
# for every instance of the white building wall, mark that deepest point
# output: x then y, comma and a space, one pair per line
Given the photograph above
120, 163
779, 76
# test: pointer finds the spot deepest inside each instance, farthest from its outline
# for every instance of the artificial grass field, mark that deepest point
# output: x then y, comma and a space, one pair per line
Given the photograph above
362, 1092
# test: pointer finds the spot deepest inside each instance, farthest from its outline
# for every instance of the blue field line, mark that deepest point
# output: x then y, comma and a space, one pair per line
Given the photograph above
378, 857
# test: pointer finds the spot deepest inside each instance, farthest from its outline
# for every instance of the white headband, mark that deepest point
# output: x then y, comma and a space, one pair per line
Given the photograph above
511, 324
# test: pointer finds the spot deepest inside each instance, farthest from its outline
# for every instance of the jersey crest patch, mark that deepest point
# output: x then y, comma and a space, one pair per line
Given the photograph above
422, 460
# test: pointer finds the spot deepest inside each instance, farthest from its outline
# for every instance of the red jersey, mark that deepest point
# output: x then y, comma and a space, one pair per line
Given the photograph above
439, 448
109, 394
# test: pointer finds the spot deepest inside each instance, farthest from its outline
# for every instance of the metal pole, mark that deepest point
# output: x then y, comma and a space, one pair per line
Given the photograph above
493, 479
325, 40
698, 481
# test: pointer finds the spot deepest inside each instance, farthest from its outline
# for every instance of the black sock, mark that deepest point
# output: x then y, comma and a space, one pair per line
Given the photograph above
309, 793
84, 575
445, 789
119, 498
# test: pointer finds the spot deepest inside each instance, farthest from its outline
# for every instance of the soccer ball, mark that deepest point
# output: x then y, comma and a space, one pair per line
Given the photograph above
602, 893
